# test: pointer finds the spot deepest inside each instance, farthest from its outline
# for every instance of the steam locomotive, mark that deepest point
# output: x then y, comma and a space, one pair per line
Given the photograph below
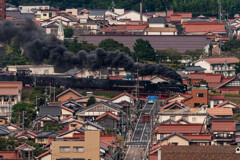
90, 83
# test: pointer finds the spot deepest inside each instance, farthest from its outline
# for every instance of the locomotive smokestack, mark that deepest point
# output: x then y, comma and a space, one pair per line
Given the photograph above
141, 12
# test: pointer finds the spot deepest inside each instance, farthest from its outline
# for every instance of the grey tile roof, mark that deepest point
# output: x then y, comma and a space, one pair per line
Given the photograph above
73, 105
97, 12
157, 20
47, 134
94, 124
19, 15
194, 68
50, 110
4, 130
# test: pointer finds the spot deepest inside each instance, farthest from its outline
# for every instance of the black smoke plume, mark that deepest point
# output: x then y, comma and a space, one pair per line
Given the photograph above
39, 47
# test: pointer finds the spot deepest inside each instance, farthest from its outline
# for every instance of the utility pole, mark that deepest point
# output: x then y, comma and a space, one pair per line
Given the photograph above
23, 119
220, 10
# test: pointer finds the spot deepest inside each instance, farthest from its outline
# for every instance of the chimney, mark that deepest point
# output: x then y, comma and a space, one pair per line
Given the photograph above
141, 18
104, 20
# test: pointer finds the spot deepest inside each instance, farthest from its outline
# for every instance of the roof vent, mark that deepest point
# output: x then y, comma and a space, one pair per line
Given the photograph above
238, 150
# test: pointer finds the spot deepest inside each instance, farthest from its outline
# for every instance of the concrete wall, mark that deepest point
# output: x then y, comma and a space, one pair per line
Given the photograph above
91, 146
176, 139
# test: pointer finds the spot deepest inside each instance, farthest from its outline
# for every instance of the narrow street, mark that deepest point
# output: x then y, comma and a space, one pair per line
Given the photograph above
141, 135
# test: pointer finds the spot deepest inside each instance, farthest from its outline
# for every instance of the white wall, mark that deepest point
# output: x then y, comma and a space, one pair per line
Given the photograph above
27, 9
156, 25
205, 65
190, 118
134, 16
123, 98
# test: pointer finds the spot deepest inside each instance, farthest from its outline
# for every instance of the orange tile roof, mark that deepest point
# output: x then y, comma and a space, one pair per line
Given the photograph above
23, 145
203, 27
216, 97
180, 128
108, 114
220, 111
208, 77
226, 102
25, 133
12, 84
44, 154
219, 60
198, 136
115, 77
223, 125
8, 91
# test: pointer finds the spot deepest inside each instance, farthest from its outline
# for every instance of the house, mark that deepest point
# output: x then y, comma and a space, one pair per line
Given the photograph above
44, 120
33, 7
164, 130
220, 112
171, 152
72, 123
93, 126
10, 155
124, 29
54, 111
175, 139
66, 112
96, 14
223, 131
218, 65
228, 104
25, 136
31, 69
231, 86
26, 151
178, 97
157, 22
159, 42
199, 139
68, 94
44, 137
84, 99
215, 100
199, 97
123, 97
199, 28
175, 105
10, 94
45, 156
132, 16
12, 127
87, 147
161, 31
71, 104
192, 69
4, 132
196, 115
42, 15
97, 109
108, 120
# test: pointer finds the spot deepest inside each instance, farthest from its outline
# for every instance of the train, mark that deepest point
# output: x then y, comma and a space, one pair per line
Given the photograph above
90, 83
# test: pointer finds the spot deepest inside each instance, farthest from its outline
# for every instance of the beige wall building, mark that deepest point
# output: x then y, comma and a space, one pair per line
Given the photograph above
78, 149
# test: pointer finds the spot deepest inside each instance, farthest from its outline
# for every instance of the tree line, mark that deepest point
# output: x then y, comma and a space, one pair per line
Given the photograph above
197, 7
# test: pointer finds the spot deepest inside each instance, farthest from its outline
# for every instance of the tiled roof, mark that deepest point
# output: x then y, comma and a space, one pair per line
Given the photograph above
122, 94
180, 128
4, 131
198, 136
216, 97
223, 125
158, 42
159, 29
50, 110
199, 153
44, 154
224, 103
220, 111
157, 20
68, 109
23, 146
8, 91
10, 155
124, 28
203, 27
26, 133
208, 77
181, 105
49, 116
108, 114
173, 134
12, 84
69, 90
219, 60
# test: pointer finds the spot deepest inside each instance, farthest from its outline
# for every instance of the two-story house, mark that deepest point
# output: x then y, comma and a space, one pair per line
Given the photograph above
218, 65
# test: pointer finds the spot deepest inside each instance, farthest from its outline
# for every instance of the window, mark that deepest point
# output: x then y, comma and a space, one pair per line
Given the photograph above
50, 14
200, 95
116, 72
44, 14
202, 144
194, 119
64, 149
196, 104
6, 98
73, 125
110, 72
0, 9
78, 149
20, 8
175, 143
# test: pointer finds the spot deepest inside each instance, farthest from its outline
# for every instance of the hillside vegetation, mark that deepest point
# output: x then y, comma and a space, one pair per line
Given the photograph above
197, 7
